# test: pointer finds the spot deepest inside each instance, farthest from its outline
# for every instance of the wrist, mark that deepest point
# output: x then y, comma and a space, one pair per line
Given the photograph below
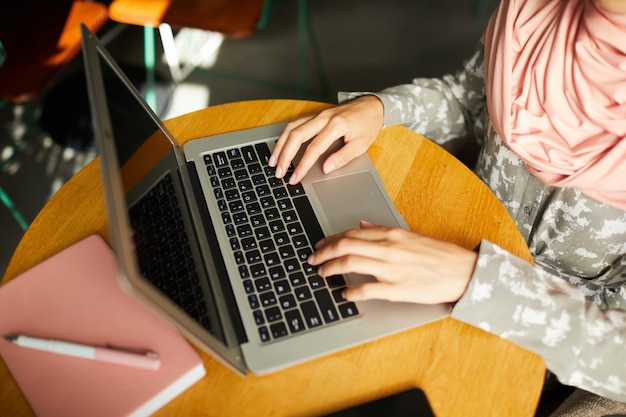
465, 276
376, 108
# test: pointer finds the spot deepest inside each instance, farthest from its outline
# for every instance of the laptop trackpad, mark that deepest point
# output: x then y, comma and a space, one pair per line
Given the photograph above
350, 198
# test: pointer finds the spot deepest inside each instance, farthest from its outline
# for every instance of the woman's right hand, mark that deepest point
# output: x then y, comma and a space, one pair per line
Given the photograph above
357, 123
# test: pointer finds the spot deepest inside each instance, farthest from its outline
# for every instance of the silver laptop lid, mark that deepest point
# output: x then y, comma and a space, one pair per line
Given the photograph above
133, 143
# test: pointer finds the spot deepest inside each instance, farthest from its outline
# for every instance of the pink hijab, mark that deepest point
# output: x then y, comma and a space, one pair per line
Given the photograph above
556, 92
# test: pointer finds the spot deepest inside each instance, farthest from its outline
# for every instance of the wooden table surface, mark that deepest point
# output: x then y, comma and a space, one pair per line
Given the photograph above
463, 370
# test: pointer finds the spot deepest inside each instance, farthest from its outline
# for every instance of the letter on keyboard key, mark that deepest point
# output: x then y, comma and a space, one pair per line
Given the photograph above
248, 154
294, 321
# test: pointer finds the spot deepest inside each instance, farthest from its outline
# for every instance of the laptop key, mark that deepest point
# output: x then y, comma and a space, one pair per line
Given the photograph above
273, 181
237, 163
245, 185
287, 302
302, 293
241, 174
248, 287
329, 313
263, 151
335, 281
248, 154
254, 301
224, 172
284, 204
338, 295
308, 218
258, 317
268, 299
311, 315
279, 330
244, 272
233, 153
297, 279
263, 284
295, 190
258, 270
282, 287
220, 159
273, 314
294, 321
316, 282
348, 310
264, 334
253, 256
279, 192
254, 168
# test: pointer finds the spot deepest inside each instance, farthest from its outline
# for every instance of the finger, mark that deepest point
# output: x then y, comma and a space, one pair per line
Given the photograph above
284, 136
368, 231
373, 291
392, 292
334, 247
360, 264
314, 150
311, 131
289, 143
343, 156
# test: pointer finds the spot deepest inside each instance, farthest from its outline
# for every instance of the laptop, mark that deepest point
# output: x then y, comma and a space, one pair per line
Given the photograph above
208, 236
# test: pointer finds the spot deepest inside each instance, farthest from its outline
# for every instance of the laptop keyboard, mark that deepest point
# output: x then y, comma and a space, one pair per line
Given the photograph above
163, 249
272, 227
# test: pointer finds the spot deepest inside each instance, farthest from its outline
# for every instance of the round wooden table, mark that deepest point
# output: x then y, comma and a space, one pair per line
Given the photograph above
463, 370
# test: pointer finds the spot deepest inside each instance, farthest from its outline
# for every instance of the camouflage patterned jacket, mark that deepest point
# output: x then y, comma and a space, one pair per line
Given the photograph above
570, 307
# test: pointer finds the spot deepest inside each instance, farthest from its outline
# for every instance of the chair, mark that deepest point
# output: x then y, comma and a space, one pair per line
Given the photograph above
234, 19
39, 38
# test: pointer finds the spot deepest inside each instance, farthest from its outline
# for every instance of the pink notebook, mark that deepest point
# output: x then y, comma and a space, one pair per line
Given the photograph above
75, 296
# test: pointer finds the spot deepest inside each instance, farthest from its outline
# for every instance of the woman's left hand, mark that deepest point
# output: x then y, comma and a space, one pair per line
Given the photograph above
408, 266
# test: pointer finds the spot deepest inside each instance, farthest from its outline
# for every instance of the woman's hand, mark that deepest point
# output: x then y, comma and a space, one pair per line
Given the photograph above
357, 122
408, 266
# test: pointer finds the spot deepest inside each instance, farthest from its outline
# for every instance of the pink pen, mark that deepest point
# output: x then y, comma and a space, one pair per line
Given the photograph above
136, 359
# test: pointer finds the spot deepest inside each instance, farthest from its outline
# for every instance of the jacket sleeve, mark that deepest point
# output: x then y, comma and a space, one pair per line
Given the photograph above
579, 342
441, 109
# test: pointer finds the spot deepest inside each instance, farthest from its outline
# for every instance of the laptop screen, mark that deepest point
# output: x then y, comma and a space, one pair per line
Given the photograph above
139, 141
150, 201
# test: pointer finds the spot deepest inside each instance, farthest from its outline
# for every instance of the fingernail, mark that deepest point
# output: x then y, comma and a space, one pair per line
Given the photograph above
272, 161
279, 172
294, 179
329, 166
